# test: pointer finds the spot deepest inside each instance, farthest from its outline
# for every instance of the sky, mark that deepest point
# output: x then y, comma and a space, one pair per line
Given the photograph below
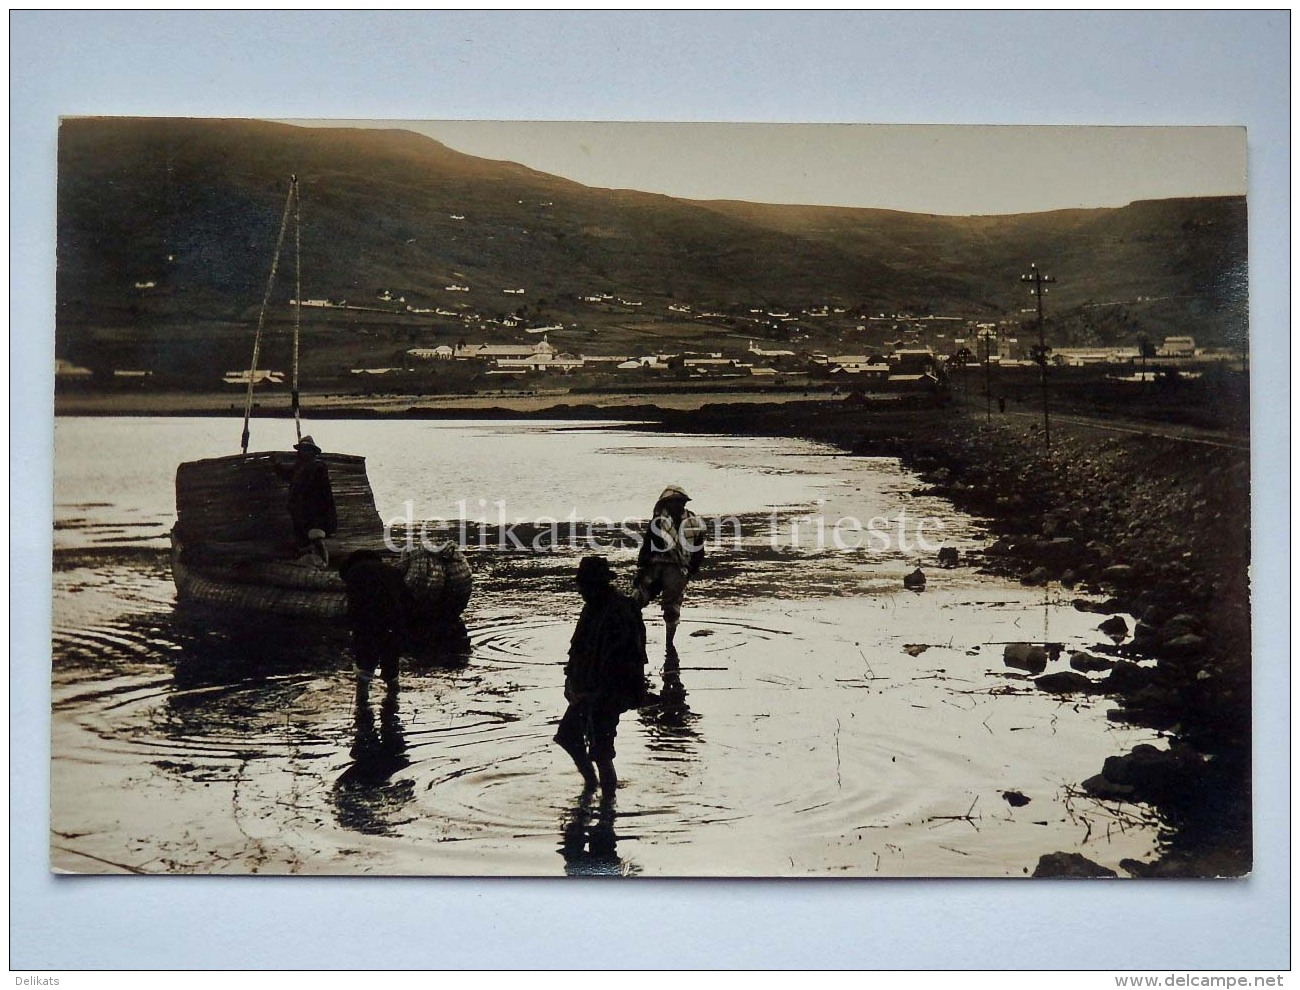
944, 169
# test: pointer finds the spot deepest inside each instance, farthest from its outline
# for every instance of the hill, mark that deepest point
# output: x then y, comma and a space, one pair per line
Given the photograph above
166, 229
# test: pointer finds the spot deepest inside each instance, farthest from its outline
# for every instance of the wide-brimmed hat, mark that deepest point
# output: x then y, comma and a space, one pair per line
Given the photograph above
674, 491
307, 443
594, 572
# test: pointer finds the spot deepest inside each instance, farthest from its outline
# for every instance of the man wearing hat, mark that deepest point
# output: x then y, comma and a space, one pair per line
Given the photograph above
605, 675
311, 500
671, 554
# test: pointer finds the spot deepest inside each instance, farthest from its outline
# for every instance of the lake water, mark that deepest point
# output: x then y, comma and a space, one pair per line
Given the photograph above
825, 721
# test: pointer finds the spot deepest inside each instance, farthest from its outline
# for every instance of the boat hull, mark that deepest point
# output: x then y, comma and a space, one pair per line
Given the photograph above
439, 579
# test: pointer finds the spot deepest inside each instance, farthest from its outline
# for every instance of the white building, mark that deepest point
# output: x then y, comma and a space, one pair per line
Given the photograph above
262, 376
1177, 347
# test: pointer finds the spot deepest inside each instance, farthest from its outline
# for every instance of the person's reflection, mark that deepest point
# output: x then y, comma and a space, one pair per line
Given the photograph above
365, 797
439, 645
588, 842
670, 721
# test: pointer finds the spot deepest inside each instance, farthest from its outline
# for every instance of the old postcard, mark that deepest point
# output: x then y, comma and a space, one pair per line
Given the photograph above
673, 500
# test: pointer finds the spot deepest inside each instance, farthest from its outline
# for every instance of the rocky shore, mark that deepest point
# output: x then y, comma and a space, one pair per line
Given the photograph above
1159, 528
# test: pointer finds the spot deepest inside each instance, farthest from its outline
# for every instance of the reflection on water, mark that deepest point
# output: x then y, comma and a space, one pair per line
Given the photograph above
823, 720
589, 843
671, 725
365, 796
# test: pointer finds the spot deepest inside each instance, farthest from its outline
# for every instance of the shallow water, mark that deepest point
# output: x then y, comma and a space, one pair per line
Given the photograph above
824, 722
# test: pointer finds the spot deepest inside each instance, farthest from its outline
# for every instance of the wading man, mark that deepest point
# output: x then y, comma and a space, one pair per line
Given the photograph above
671, 553
379, 606
311, 500
605, 675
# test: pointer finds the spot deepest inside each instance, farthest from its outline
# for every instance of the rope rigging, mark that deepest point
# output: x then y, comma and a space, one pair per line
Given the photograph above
290, 207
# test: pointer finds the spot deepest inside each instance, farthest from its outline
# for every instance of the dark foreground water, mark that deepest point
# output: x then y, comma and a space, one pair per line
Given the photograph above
825, 721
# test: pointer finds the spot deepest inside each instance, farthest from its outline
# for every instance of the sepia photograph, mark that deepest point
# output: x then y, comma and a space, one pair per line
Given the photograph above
487, 498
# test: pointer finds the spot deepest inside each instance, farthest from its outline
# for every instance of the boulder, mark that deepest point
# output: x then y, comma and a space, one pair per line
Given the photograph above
1037, 577
914, 581
1099, 787
1126, 677
948, 557
1063, 682
1119, 574
1015, 799
1184, 647
1061, 864
1025, 656
1116, 628
1180, 625
1153, 774
1087, 663
1062, 551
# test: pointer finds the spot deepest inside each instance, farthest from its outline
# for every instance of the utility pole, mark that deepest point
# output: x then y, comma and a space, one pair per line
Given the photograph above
1036, 279
988, 381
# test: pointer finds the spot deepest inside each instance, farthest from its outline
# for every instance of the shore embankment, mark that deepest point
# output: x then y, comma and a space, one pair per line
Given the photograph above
1156, 526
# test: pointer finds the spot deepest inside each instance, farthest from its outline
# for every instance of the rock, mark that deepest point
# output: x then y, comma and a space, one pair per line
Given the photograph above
1037, 577
1015, 799
948, 557
1061, 864
1120, 574
1180, 625
1099, 787
1155, 615
1061, 550
702, 632
1153, 774
1184, 647
1126, 677
1025, 656
914, 581
1063, 682
1116, 628
1069, 579
1087, 663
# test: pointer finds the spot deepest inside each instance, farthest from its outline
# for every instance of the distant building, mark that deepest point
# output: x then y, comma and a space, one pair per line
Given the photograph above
443, 352
68, 371
262, 376
540, 362
1177, 347
1076, 357
857, 364
760, 352
912, 360
492, 352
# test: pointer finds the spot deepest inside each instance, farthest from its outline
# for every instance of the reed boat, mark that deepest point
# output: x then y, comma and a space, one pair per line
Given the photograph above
233, 544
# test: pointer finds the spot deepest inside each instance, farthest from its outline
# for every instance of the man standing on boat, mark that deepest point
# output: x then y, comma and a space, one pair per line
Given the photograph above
605, 675
311, 500
671, 553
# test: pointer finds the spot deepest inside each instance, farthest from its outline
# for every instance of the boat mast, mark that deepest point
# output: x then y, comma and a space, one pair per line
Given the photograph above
261, 316
297, 300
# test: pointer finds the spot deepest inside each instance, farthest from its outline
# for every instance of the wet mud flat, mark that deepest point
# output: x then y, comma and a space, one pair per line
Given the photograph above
866, 732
